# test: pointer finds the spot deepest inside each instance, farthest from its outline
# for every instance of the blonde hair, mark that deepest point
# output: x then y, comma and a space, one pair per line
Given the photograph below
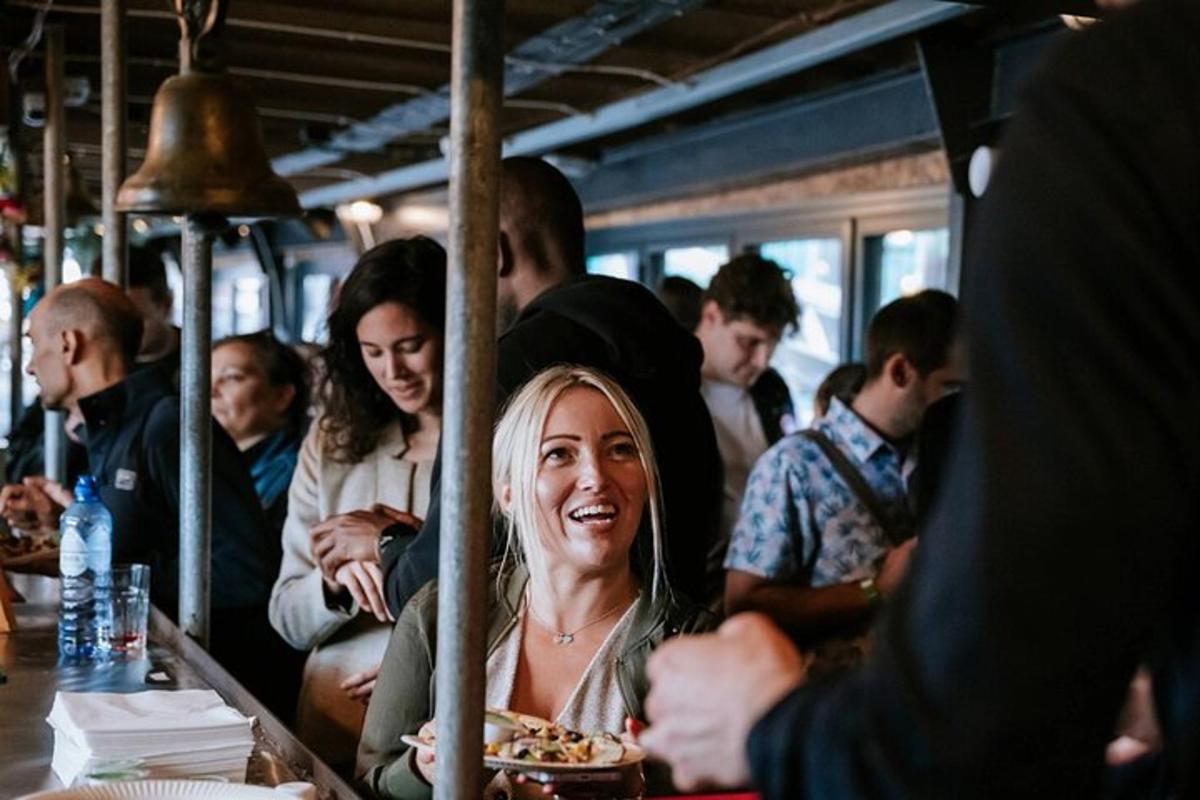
515, 459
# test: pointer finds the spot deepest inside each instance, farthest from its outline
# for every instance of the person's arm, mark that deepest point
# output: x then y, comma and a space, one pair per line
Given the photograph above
242, 566
771, 546
408, 556
804, 611
306, 608
400, 704
807, 611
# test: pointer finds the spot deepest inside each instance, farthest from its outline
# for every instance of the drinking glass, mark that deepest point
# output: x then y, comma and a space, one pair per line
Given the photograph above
130, 609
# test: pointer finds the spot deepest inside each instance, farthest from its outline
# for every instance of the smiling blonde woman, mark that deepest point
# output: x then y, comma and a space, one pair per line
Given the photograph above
579, 599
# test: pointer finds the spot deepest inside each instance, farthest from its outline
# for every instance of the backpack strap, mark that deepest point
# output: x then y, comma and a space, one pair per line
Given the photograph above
895, 534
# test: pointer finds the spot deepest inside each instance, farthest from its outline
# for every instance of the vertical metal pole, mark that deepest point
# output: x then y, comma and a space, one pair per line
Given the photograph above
195, 387
112, 112
53, 192
476, 79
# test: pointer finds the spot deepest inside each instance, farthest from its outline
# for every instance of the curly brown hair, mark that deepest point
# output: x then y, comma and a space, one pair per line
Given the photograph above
754, 288
411, 272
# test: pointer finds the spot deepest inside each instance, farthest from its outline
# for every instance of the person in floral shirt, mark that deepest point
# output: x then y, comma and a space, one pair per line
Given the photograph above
825, 530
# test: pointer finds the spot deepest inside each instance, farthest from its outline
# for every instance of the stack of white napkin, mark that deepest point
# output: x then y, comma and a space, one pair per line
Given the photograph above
177, 734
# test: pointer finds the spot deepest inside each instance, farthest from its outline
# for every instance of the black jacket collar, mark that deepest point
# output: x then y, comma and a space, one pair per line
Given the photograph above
137, 393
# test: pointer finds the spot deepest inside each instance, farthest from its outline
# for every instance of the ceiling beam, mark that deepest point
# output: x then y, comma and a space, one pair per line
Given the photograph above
889, 21
788, 137
572, 42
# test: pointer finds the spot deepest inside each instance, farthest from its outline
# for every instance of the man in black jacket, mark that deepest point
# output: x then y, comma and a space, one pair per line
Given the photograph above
1064, 551
557, 314
85, 336
159, 349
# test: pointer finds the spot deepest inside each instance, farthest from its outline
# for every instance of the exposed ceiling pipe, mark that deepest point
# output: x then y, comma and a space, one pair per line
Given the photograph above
362, 37
571, 42
815, 47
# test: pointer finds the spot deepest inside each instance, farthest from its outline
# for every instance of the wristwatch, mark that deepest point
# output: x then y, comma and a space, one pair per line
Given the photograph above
871, 592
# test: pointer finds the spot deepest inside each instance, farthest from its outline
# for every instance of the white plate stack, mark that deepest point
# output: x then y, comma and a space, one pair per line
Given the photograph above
178, 734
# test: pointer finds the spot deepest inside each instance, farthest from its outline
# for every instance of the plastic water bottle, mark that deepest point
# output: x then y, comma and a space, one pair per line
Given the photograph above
85, 567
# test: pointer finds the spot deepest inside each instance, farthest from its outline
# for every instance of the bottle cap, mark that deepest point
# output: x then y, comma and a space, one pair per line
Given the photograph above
86, 490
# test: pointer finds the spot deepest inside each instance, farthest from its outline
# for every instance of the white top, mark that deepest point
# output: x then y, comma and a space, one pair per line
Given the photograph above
596, 703
741, 440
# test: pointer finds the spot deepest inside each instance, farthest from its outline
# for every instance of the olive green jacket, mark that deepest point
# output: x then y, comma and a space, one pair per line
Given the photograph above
404, 693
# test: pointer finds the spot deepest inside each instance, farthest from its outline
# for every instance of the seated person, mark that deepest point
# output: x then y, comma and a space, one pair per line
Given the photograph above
575, 608
367, 458
260, 397
159, 349
84, 338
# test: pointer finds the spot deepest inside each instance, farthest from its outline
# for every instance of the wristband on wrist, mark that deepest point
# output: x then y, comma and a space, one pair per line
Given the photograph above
871, 592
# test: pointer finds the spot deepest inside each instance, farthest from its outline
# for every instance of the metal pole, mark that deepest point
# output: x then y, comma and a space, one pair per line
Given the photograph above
112, 112
55, 212
476, 78
195, 387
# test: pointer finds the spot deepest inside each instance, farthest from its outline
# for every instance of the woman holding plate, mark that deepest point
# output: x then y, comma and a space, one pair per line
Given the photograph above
578, 601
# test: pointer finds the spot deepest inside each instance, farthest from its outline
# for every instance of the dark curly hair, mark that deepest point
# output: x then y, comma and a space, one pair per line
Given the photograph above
754, 288
283, 366
411, 272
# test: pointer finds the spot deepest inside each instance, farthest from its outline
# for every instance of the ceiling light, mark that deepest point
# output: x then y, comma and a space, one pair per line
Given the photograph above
361, 212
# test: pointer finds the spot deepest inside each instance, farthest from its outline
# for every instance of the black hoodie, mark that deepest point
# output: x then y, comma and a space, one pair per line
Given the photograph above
619, 327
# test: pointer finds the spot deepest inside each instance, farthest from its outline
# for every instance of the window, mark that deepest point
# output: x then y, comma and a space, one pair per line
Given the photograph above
807, 353
317, 291
903, 262
614, 265
249, 311
696, 263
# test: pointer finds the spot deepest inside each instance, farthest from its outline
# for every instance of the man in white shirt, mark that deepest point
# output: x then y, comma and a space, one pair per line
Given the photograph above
744, 312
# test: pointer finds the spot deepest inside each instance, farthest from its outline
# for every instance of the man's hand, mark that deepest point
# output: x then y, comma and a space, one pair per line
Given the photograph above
36, 503
894, 567
360, 685
353, 536
700, 732
364, 581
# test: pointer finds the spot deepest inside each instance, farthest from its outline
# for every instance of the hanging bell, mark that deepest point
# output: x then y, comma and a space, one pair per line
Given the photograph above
206, 154
80, 205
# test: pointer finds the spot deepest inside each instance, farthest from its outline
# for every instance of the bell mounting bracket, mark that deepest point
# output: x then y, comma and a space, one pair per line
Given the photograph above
201, 23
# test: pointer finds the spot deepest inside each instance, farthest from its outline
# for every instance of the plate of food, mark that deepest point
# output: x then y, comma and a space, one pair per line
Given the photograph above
28, 552
520, 742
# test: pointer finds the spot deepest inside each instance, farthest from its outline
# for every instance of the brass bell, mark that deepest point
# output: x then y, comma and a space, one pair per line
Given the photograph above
206, 154
80, 205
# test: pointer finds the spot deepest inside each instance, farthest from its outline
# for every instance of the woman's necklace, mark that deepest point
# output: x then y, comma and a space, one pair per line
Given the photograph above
568, 637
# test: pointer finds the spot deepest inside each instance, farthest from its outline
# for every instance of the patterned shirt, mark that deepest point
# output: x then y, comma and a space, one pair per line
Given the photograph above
800, 523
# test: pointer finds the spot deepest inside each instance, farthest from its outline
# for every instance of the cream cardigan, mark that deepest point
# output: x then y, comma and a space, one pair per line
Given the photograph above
343, 641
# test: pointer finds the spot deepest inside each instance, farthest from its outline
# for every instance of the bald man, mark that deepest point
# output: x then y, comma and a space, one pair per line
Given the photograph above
85, 338
551, 312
